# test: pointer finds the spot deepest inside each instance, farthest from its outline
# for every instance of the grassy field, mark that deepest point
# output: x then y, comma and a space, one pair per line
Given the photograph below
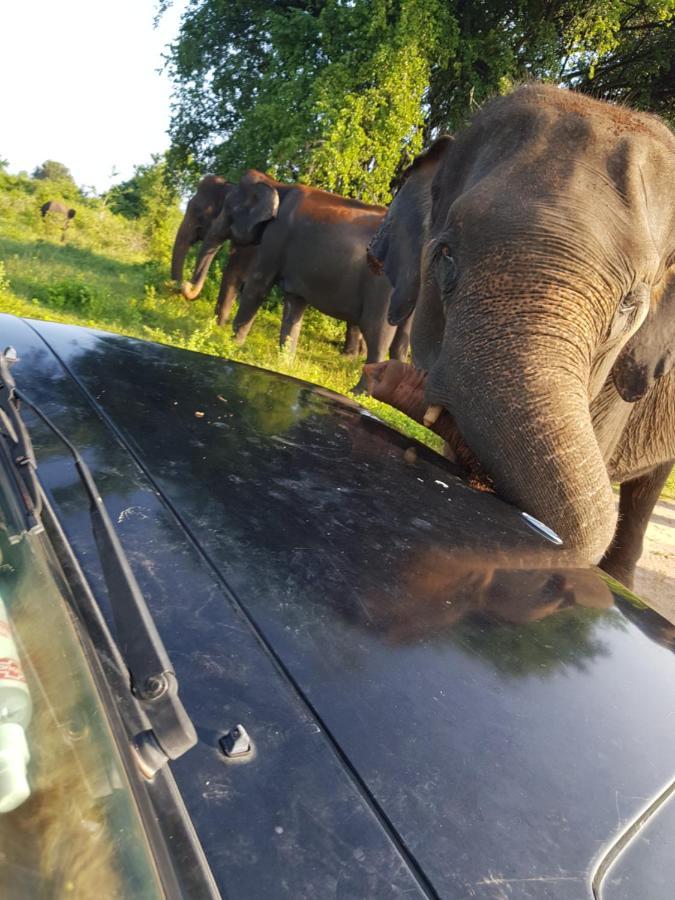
102, 276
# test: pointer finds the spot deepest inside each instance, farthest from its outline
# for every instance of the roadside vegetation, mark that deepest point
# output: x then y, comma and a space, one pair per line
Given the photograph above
112, 272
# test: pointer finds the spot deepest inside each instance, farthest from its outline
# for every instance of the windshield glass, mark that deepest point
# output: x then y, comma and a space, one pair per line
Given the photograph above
68, 823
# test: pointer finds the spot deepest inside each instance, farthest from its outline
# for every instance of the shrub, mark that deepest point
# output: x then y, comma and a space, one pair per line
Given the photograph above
72, 295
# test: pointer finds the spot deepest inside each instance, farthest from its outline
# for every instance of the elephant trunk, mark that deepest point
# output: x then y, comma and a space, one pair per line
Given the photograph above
521, 404
181, 245
192, 290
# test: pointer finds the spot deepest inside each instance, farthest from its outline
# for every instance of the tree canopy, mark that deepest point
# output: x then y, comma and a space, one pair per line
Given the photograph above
342, 93
51, 170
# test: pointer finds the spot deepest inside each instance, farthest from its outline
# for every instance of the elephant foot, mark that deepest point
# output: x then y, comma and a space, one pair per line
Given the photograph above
360, 388
618, 569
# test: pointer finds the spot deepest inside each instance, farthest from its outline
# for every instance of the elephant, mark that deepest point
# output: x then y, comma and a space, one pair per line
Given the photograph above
313, 245
59, 210
53, 206
202, 210
544, 296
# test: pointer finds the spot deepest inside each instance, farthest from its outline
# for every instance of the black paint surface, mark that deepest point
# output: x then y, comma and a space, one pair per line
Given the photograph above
437, 704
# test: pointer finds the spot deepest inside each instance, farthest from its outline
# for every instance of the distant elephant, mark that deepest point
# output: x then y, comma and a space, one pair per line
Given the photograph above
59, 210
53, 206
202, 210
313, 245
545, 310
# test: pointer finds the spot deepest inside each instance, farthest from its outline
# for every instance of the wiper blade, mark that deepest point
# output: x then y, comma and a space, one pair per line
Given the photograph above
153, 680
20, 448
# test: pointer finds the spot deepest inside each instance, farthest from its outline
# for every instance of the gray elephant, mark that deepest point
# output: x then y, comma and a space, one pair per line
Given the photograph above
202, 210
313, 245
545, 310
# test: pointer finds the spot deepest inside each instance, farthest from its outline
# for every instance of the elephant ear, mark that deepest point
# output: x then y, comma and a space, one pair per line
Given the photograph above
257, 204
650, 353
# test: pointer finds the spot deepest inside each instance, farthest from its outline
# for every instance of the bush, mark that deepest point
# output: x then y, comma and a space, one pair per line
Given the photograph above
72, 295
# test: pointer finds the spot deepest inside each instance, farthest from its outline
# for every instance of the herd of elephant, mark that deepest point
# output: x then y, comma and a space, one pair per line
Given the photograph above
531, 260
308, 242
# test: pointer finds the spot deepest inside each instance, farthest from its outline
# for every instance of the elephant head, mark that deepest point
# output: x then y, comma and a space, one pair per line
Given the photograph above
549, 239
202, 211
397, 245
251, 205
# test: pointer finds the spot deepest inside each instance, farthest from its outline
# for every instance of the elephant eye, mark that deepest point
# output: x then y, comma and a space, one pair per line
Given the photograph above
445, 268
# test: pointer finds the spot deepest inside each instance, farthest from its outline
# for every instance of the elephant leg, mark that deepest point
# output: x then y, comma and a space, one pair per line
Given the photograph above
354, 344
400, 346
226, 297
636, 504
257, 287
291, 323
233, 280
378, 337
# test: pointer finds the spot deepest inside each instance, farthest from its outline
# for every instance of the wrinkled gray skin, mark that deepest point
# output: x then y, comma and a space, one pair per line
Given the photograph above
545, 314
313, 245
201, 212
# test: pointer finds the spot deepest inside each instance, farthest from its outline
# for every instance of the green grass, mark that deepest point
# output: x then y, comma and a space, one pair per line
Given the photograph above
101, 276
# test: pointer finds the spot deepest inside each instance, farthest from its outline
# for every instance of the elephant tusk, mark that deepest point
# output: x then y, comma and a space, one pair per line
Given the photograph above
431, 415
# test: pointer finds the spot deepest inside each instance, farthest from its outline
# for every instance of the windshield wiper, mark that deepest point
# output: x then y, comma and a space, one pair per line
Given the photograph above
20, 449
153, 680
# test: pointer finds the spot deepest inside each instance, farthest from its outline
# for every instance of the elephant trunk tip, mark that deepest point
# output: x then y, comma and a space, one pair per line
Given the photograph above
188, 290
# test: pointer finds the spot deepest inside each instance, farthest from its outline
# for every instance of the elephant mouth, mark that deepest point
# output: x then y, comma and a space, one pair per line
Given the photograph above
402, 386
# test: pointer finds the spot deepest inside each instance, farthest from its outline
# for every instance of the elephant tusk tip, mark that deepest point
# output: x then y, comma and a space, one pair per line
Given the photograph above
431, 415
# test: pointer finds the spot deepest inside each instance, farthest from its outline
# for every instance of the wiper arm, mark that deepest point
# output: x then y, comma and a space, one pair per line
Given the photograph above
20, 448
153, 680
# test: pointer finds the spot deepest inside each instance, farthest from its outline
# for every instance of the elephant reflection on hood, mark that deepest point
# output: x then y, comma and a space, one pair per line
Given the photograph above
438, 589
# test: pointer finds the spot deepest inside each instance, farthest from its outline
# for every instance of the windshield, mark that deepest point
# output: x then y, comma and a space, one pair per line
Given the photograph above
68, 824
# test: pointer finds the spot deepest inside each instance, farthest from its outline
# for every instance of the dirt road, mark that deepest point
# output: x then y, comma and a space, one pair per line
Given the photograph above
655, 577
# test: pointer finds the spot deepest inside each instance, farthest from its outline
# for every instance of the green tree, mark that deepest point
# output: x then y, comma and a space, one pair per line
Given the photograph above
341, 93
149, 198
51, 170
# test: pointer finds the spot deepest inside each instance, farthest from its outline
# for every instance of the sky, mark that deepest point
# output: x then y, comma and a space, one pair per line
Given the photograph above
80, 85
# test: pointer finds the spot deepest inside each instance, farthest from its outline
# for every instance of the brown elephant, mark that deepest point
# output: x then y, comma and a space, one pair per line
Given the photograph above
202, 210
312, 244
545, 309
56, 209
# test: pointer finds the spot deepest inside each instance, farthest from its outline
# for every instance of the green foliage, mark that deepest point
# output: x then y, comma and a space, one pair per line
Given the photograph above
342, 94
71, 295
51, 170
669, 489
149, 198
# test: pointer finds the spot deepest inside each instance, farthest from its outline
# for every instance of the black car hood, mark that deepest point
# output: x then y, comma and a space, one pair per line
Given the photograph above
486, 722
